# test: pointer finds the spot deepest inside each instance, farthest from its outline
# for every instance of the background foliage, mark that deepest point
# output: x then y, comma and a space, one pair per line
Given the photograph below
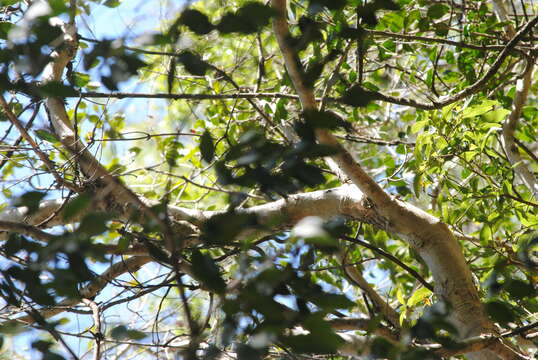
231, 135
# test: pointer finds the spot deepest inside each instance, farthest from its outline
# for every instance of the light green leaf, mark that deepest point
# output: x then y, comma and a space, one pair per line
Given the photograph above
418, 296
479, 109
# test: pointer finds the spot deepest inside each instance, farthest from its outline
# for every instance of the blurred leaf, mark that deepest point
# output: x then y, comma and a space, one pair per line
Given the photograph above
94, 223
250, 18
31, 200
119, 332
520, 289
207, 272
193, 63
418, 296
437, 11
500, 312
46, 135
358, 96
112, 3
329, 4
81, 79
77, 205
207, 148
136, 335
55, 88
5, 27
196, 21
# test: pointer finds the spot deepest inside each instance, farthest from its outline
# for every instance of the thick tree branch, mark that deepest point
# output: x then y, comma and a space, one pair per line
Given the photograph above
356, 277
431, 238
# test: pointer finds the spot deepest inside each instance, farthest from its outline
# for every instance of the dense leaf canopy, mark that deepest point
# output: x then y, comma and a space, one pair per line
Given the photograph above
294, 179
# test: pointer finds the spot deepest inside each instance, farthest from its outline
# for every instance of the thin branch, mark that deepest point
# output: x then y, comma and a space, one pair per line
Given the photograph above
97, 334
509, 129
436, 40
392, 258
24, 133
132, 264
356, 277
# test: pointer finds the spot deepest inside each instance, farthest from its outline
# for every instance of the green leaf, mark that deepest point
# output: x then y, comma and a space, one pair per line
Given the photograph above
46, 135
193, 63
196, 21
81, 79
419, 125
329, 4
417, 184
75, 206
358, 96
436, 11
520, 289
112, 3
207, 272
57, 89
250, 18
136, 335
500, 312
94, 223
5, 27
31, 200
207, 148
119, 332
479, 109
485, 234
418, 296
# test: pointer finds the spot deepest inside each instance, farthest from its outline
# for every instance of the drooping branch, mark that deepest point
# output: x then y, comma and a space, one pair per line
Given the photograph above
381, 304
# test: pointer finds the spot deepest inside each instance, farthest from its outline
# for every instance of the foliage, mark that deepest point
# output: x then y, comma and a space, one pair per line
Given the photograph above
233, 140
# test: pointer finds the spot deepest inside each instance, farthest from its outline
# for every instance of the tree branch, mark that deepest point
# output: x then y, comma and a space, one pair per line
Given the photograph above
132, 264
509, 129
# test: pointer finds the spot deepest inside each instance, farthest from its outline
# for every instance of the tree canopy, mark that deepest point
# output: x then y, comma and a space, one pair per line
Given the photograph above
298, 179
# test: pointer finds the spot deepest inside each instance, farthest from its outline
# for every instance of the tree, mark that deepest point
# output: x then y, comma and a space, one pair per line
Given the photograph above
327, 178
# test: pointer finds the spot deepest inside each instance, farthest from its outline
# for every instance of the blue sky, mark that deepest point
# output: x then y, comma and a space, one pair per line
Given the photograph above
130, 20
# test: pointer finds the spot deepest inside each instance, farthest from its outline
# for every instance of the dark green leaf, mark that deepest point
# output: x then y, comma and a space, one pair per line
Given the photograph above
56, 89
193, 63
357, 96
75, 206
5, 27
315, 5
207, 148
112, 3
196, 21
500, 312
31, 200
436, 11
46, 135
352, 33
119, 332
206, 271
250, 18
94, 224
520, 289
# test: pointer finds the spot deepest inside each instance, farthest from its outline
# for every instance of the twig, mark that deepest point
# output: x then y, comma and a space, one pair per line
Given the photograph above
392, 258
